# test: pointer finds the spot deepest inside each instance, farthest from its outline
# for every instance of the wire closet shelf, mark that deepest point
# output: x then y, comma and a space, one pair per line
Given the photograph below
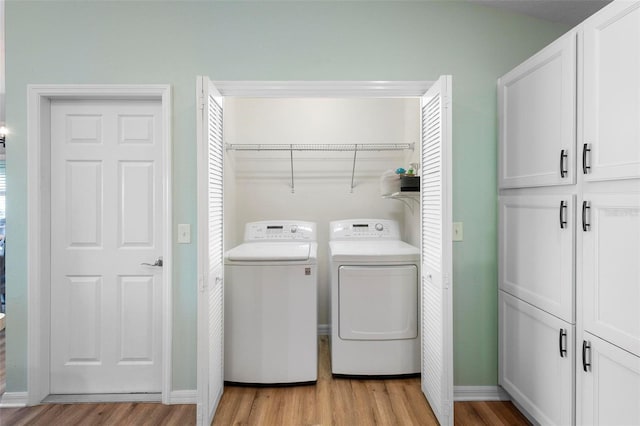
355, 147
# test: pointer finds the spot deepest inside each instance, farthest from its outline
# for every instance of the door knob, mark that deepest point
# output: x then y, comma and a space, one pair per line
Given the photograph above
158, 262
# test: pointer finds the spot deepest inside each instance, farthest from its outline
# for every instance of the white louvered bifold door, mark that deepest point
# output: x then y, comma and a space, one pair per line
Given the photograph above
210, 251
437, 346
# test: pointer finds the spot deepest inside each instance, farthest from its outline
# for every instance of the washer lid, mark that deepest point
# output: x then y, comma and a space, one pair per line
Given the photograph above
273, 251
389, 250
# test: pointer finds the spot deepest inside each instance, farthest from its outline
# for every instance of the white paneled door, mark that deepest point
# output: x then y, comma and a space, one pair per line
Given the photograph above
106, 223
437, 323
210, 251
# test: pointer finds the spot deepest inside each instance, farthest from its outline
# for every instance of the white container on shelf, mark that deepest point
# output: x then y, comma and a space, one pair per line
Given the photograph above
389, 183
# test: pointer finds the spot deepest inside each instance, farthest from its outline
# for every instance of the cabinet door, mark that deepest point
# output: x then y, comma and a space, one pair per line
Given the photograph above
609, 388
612, 93
533, 369
537, 251
537, 112
610, 266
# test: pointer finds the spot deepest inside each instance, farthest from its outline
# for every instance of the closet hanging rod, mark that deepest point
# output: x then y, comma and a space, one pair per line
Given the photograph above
321, 147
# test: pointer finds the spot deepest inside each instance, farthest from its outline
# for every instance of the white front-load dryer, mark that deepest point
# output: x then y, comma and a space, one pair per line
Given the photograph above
270, 311
374, 299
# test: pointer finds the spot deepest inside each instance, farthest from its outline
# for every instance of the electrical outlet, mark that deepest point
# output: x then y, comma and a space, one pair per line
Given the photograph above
184, 233
457, 231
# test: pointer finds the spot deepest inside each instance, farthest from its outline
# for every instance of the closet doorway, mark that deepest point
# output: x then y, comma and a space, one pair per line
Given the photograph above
435, 223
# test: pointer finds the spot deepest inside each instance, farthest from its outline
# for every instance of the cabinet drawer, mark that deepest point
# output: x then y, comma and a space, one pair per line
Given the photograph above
609, 389
537, 251
532, 368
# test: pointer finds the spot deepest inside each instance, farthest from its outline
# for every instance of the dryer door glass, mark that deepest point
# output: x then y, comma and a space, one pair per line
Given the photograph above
378, 302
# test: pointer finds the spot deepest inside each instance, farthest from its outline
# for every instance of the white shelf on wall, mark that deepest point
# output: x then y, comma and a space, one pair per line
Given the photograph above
348, 147
405, 197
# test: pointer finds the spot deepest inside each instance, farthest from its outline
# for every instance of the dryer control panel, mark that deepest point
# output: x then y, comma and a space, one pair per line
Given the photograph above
280, 230
363, 229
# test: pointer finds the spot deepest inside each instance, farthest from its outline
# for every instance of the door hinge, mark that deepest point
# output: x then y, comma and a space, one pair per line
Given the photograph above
201, 101
201, 284
445, 281
446, 101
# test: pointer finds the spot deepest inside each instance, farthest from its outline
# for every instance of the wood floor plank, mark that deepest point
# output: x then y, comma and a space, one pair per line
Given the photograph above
487, 415
324, 359
342, 402
75, 414
499, 412
465, 414
324, 408
266, 408
381, 403
118, 413
363, 411
403, 412
20, 416
418, 403
98, 414
180, 415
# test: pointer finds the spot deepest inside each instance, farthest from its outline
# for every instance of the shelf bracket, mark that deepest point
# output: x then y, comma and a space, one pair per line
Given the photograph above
353, 169
406, 199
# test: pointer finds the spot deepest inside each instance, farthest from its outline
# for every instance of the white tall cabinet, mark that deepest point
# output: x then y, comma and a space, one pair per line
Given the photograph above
569, 226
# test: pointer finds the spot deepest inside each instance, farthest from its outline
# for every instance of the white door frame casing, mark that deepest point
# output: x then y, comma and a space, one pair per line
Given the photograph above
323, 89
39, 97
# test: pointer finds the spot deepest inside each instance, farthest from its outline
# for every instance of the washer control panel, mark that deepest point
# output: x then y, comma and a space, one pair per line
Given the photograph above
364, 229
280, 230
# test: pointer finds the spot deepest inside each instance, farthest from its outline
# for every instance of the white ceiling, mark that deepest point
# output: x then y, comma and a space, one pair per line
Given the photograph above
570, 12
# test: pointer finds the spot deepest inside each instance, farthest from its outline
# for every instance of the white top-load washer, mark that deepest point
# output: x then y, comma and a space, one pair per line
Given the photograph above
374, 299
271, 280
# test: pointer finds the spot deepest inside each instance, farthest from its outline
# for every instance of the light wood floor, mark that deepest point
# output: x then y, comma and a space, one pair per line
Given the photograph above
332, 401
350, 402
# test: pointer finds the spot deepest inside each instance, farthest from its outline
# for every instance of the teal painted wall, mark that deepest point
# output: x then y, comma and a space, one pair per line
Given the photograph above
172, 42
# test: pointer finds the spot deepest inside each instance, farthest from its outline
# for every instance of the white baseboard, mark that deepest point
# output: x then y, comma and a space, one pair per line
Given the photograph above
19, 399
103, 397
479, 393
324, 329
183, 397
13, 400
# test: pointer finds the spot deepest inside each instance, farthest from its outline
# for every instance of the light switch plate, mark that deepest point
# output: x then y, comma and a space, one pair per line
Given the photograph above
184, 233
457, 231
